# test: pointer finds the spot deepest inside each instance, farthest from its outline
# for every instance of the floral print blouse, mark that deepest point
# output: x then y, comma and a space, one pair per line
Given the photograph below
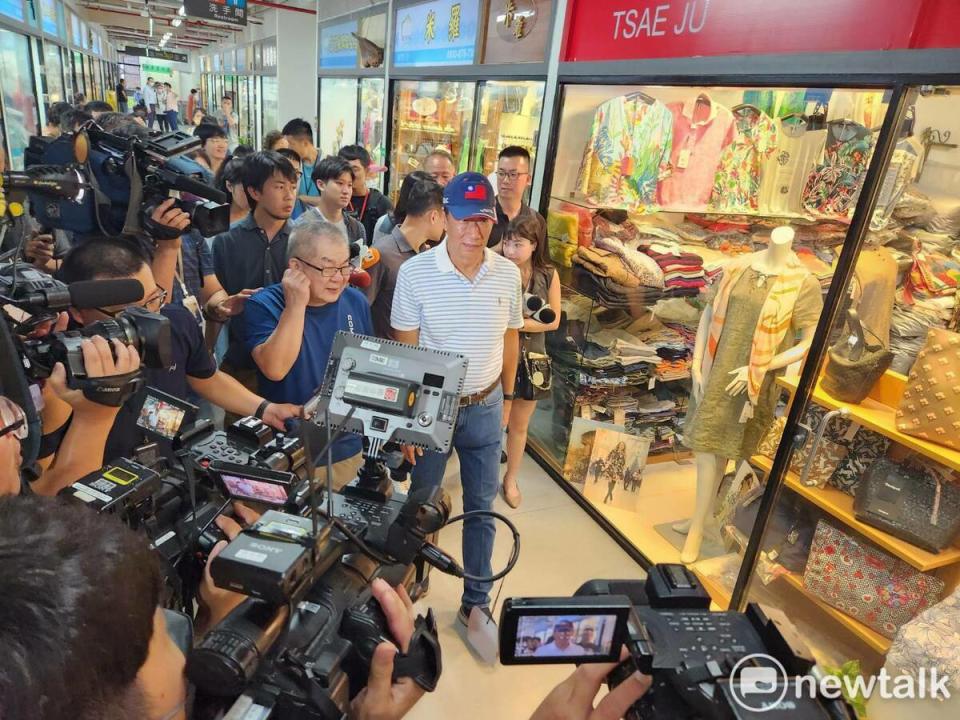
736, 187
834, 185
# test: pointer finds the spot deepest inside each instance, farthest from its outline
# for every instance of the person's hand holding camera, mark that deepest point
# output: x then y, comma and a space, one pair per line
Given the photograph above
39, 251
276, 414
216, 603
573, 698
167, 223
382, 698
100, 362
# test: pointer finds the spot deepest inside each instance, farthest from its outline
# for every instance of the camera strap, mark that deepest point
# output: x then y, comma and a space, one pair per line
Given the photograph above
112, 391
422, 662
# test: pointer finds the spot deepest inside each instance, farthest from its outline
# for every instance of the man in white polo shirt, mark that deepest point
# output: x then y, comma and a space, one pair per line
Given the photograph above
462, 297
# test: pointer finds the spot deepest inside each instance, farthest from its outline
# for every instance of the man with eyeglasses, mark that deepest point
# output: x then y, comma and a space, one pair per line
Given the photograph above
193, 367
291, 325
513, 179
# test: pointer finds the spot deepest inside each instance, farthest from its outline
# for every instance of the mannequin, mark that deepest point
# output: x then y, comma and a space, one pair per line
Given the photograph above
778, 266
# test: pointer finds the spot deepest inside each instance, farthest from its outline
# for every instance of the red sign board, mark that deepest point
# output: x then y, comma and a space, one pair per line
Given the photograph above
637, 29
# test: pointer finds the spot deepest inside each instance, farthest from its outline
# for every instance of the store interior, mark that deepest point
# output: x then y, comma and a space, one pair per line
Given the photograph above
657, 193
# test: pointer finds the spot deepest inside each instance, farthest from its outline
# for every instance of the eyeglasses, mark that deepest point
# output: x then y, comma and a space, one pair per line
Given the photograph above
328, 272
512, 175
18, 425
156, 300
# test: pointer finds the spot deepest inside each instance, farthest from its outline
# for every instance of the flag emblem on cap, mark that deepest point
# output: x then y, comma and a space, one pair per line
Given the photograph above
475, 192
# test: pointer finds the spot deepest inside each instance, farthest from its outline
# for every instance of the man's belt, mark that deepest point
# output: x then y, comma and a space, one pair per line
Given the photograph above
478, 397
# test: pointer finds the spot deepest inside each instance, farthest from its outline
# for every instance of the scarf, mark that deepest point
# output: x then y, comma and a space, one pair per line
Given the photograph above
775, 317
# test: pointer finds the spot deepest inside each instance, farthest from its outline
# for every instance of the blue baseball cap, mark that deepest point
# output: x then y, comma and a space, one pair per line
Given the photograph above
470, 195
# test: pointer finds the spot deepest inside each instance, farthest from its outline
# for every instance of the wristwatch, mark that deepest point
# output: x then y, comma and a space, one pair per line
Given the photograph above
508, 396
261, 409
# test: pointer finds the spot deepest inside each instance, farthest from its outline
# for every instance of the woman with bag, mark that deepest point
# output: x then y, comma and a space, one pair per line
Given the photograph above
525, 243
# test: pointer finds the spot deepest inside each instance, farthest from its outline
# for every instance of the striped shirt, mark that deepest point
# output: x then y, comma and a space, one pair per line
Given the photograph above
459, 315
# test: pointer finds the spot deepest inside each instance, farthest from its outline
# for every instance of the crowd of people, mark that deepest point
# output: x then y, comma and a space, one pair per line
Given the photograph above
78, 616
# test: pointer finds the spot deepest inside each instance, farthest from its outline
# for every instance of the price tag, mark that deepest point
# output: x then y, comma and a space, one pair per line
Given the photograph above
652, 382
684, 158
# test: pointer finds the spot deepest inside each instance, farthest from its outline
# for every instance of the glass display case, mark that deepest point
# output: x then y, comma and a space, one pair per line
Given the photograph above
371, 131
509, 114
427, 115
19, 100
338, 114
271, 111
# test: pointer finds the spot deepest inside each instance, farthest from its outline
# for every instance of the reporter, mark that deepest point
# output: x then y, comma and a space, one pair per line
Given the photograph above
84, 636
193, 366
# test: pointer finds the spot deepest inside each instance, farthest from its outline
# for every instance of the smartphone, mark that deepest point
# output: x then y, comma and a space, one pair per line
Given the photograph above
251, 484
578, 630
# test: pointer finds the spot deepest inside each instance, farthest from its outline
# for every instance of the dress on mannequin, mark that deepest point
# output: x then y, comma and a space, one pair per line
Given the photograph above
713, 425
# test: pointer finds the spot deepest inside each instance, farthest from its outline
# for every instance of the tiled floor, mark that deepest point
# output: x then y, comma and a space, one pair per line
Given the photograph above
561, 547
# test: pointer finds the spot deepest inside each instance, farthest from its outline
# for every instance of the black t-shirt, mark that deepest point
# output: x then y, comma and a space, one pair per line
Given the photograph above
368, 209
190, 357
500, 229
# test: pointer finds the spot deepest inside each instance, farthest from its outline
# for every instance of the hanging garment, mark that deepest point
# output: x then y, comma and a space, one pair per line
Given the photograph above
786, 169
834, 185
865, 107
902, 170
701, 130
736, 187
777, 103
630, 139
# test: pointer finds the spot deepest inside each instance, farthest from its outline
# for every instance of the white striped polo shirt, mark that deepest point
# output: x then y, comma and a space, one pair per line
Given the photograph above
459, 315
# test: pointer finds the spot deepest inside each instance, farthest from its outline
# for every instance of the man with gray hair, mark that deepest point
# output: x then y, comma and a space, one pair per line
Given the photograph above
290, 328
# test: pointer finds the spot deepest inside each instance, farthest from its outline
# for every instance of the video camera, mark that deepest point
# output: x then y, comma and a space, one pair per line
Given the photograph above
705, 665
95, 182
300, 646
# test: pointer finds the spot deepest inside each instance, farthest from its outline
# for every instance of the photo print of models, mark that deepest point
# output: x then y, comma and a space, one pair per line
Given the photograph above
615, 471
572, 636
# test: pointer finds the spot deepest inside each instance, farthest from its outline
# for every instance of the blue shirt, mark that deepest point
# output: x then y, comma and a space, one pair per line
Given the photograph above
307, 187
351, 312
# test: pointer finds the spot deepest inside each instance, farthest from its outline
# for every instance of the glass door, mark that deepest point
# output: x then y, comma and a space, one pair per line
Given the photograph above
508, 114
271, 111
371, 131
338, 114
53, 66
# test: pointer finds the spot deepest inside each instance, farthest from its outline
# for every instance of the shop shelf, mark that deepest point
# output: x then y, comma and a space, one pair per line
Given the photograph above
872, 638
878, 412
840, 505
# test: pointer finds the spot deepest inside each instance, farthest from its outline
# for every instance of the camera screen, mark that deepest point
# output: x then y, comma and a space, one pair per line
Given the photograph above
257, 490
161, 417
568, 636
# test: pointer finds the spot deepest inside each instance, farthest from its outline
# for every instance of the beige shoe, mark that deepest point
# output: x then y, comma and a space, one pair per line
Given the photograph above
513, 499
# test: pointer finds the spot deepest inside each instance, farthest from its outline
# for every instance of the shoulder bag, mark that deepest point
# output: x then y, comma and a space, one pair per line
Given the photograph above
930, 406
854, 366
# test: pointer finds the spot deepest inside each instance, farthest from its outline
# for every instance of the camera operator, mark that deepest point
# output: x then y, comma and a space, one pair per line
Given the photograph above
193, 366
291, 327
84, 637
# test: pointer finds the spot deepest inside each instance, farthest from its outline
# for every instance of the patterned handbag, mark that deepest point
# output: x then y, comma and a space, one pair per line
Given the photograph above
823, 463
929, 641
930, 406
877, 589
771, 438
865, 449
914, 502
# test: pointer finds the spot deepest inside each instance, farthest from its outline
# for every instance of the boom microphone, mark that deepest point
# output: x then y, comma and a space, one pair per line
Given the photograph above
46, 180
88, 294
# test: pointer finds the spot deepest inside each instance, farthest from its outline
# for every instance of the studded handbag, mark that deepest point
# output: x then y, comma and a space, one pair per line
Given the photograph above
930, 406
879, 590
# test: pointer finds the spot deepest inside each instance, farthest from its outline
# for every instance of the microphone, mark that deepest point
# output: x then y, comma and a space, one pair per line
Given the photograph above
545, 315
87, 294
532, 303
47, 180
360, 279
371, 258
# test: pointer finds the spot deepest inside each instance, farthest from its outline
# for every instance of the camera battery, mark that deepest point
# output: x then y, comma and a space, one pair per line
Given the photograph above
391, 395
117, 487
270, 559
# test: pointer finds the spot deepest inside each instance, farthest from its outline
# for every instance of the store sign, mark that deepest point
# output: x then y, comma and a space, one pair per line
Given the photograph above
158, 54
228, 11
441, 32
636, 29
338, 46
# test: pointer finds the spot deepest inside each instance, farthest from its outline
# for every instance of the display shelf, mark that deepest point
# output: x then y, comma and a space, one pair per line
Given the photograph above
580, 201
871, 637
840, 505
719, 594
429, 130
877, 413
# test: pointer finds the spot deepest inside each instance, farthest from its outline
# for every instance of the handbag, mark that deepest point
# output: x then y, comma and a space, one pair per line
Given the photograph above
912, 502
879, 590
534, 375
854, 366
822, 457
929, 641
930, 406
866, 448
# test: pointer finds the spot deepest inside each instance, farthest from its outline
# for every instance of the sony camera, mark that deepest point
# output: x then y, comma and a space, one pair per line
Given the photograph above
705, 665
94, 182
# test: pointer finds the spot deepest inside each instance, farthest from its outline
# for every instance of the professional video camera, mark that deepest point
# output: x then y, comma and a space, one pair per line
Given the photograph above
95, 182
300, 645
705, 665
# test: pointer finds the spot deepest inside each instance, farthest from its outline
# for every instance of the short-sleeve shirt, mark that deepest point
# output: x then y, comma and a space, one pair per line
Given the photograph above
350, 312
190, 358
242, 259
394, 251
307, 187
456, 314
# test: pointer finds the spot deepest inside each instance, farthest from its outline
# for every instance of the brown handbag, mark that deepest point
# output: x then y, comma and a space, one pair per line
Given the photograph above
930, 406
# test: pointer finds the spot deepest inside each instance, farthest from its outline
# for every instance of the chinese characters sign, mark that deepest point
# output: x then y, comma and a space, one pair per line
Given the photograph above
440, 32
338, 46
228, 11
635, 29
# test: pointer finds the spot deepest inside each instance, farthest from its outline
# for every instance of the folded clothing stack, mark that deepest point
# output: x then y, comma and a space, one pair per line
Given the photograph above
682, 271
909, 325
612, 294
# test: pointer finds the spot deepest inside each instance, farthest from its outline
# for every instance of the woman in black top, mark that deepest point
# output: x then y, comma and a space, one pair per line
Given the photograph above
525, 243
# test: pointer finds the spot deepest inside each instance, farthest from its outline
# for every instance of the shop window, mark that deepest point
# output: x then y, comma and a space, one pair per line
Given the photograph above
19, 100
338, 114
